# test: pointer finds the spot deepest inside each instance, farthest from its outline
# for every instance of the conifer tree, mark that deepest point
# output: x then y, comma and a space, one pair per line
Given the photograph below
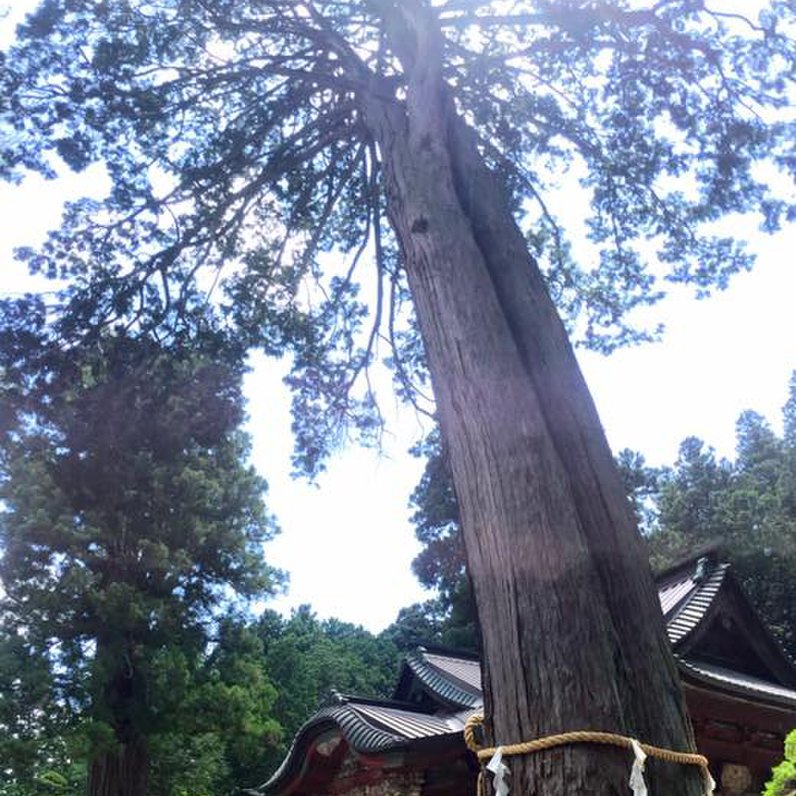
131, 524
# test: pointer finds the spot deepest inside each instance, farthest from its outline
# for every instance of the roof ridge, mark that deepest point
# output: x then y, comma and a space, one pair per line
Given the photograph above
440, 684
397, 704
710, 550
451, 652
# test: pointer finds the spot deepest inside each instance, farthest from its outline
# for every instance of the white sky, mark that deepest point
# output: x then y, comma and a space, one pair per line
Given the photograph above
347, 541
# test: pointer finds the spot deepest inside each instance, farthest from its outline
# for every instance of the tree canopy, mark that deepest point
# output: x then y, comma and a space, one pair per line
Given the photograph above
783, 779
237, 140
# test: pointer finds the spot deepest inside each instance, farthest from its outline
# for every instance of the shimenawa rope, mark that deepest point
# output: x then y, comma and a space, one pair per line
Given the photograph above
641, 751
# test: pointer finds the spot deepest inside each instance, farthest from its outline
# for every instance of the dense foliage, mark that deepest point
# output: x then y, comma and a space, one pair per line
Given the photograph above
747, 505
238, 134
308, 658
130, 523
220, 720
131, 526
442, 622
783, 777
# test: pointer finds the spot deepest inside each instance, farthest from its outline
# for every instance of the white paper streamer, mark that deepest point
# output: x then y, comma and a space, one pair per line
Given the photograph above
710, 785
636, 783
500, 771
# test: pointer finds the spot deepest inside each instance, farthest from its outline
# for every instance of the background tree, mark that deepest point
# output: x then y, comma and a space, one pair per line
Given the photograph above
130, 521
308, 658
38, 742
450, 622
642, 484
307, 122
449, 619
747, 505
783, 779
220, 723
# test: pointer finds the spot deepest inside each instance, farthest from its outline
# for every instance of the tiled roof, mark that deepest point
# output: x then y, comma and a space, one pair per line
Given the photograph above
738, 682
465, 671
693, 603
406, 724
455, 680
672, 594
370, 726
361, 734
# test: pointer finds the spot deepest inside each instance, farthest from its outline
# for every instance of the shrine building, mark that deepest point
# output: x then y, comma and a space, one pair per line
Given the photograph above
740, 689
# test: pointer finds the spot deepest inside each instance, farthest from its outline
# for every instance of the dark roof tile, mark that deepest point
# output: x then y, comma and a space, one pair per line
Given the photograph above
436, 672
684, 617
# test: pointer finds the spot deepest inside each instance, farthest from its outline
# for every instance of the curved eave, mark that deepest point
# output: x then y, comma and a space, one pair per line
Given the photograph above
361, 736
738, 685
439, 685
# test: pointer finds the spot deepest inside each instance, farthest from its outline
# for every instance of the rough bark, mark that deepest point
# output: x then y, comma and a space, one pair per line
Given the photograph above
123, 769
120, 772
573, 636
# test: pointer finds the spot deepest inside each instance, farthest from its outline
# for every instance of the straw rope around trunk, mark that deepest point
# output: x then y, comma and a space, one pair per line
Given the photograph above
486, 754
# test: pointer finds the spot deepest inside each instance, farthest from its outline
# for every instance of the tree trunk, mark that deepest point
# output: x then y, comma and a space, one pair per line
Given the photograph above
123, 769
573, 636
120, 772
